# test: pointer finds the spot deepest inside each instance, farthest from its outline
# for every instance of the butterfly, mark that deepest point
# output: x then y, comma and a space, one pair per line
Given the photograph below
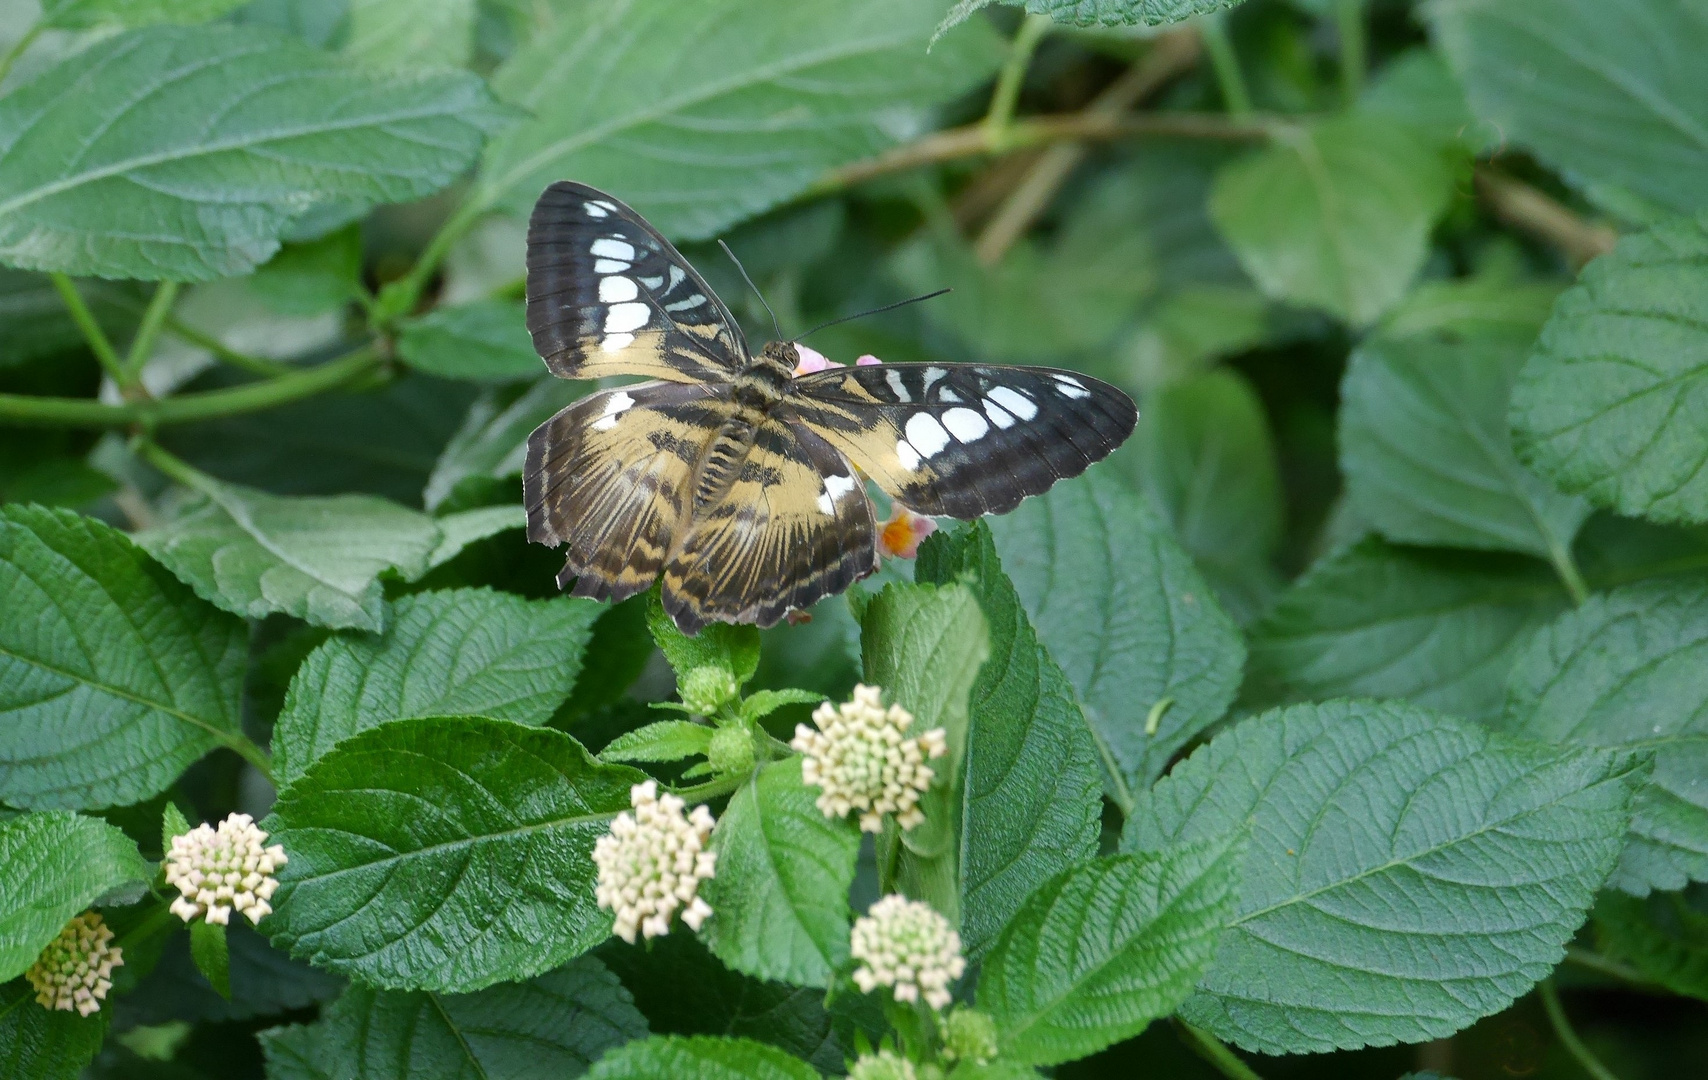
735, 481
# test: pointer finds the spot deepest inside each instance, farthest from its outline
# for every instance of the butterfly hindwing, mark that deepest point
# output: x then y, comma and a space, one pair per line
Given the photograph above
607, 295
611, 476
795, 526
963, 440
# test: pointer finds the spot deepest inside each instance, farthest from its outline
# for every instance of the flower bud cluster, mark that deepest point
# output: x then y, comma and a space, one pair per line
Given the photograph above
882, 1065
75, 970
216, 871
861, 758
652, 862
907, 946
707, 689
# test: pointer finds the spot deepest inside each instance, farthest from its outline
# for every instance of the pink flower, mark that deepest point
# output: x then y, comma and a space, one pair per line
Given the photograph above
901, 535
812, 361
867, 361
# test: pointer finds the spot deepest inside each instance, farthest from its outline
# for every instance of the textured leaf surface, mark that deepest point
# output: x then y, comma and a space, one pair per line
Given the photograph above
118, 678
69, 14
411, 33
492, 442
457, 531
1607, 93
1030, 801
486, 341
1407, 873
1123, 12
666, 1057
1124, 612
1102, 950
316, 558
780, 896
461, 651
1441, 628
924, 645
1663, 935
56, 864
264, 982
1614, 401
1427, 457
1335, 216
704, 114
445, 854
183, 153
42, 1044
553, 1025
1626, 670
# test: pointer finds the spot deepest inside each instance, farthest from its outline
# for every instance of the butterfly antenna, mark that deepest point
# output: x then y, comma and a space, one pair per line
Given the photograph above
774, 324
874, 311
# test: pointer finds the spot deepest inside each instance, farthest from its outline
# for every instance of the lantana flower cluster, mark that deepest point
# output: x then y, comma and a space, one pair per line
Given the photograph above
907, 946
652, 862
863, 760
882, 1065
75, 970
218, 870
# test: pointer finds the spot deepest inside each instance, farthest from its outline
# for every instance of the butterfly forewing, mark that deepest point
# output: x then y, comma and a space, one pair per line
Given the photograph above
794, 527
612, 477
607, 295
963, 440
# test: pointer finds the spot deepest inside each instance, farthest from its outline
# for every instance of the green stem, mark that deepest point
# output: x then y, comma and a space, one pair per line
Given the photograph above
400, 297
259, 366
188, 408
1567, 567
711, 789
1349, 21
142, 346
1215, 1051
1606, 965
92, 332
1569, 1038
1236, 97
1007, 93
145, 929
18, 48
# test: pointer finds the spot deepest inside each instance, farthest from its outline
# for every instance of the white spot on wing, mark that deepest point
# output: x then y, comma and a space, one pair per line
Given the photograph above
609, 247
1015, 402
1071, 386
615, 406
652, 282
965, 424
595, 210
622, 318
616, 342
610, 266
615, 289
998, 415
948, 395
835, 487
908, 455
676, 276
926, 434
683, 305
932, 374
897, 387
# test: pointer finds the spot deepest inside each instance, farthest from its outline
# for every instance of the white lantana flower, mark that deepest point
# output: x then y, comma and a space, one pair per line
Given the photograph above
652, 862
75, 970
882, 1065
216, 871
907, 946
862, 759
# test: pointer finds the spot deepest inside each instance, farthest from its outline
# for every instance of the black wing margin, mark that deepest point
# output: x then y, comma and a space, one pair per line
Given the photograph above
962, 440
607, 295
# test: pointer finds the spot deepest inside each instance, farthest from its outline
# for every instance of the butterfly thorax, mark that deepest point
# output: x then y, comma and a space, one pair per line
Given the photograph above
758, 388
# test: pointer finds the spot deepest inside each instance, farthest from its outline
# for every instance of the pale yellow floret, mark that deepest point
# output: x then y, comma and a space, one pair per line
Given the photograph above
651, 864
75, 970
217, 871
861, 758
907, 946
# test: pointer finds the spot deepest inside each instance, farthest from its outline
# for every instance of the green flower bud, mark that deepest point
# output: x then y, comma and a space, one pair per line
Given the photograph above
731, 750
707, 689
883, 1065
970, 1035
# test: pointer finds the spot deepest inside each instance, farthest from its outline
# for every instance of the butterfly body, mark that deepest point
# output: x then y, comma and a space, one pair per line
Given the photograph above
729, 477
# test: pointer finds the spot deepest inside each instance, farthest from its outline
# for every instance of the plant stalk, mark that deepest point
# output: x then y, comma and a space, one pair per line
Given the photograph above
1568, 1037
1215, 1051
1224, 61
20, 47
153, 318
99, 344
270, 369
1007, 93
1349, 21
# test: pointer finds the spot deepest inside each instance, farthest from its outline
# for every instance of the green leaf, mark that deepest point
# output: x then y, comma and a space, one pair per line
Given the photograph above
183, 153
1417, 88
34, 323
486, 341
1441, 628
1485, 306
1100, 951
734, 647
1207, 464
1192, 326
553, 1025
81, 14
1407, 873
389, 34
460, 651
1663, 935
1609, 94
1336, 215
1613, 403
57, 864
264, 982
312, 278
925, 645
700, 116
666, 740
1122, 12
1029, 798
1126, 615
212, 956
445, 854
45, 1044
666, 1057
780, 897
457, 531
762, 703
1424, 445
316, 558
172, 823
1625, 670
493, 440
118, 679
